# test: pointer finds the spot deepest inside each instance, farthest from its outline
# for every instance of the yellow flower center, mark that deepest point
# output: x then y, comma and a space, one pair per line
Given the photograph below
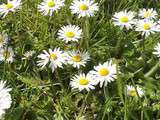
147, 14
83, 81
51, 3
53, 56
6, 54
70, 34
103, 71
83, 7
76, 58
147, 26
133, 93
124, 19
9, 6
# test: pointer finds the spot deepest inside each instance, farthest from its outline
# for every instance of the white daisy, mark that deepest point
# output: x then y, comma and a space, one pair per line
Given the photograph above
131, 91
55, 58
104, 73
70, 33
50, 6
7, 54
11, 6
157, 50
77, 58
3, 39
28, 54
147, 27
148, 13
84, 8
5, 98
82, 82
124, 19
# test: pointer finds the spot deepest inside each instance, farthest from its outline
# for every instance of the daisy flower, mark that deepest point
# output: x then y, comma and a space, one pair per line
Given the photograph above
55, 58
5, 98
28, 54
157, 50
148, 14
131, 91
82, 82
3, 39
6, 54
11, 6
124, 19
70, 33
49, 6
147, 27
77, 58
104, 73
84, 8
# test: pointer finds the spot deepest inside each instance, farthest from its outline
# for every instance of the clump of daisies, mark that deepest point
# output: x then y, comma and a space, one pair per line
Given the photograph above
145, 21
5, 98
84, 8
134, 91
48, 7
10, 6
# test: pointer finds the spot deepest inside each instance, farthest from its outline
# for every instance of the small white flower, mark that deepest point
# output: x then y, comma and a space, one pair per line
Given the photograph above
131, 91
11, 6
6, 54
5, 98
104, 73
124, 19
3, 39
148, 13
84, 8
147, 27
50, 6
55, 58
157, 50
77, 58
70, 33
28, 54
82, 82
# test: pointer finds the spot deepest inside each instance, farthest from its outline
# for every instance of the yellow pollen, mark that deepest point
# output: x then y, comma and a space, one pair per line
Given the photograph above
53, 56
103, 71
51, 3
76, 58
70, 34
147, 14
6, 54
133, 93
147, 26
83, 7
124, 19
9, 6
83, 81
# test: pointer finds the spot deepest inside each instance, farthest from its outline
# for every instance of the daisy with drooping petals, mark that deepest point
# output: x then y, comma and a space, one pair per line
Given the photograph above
55, 58
104, 73
70, 33
147, 27
28, 54
50, 6
84, 8
6, 54
148, 14
11, 6
124, 19
77, 58
82, 82
3, 39
131, 91
5, 98
157, 50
